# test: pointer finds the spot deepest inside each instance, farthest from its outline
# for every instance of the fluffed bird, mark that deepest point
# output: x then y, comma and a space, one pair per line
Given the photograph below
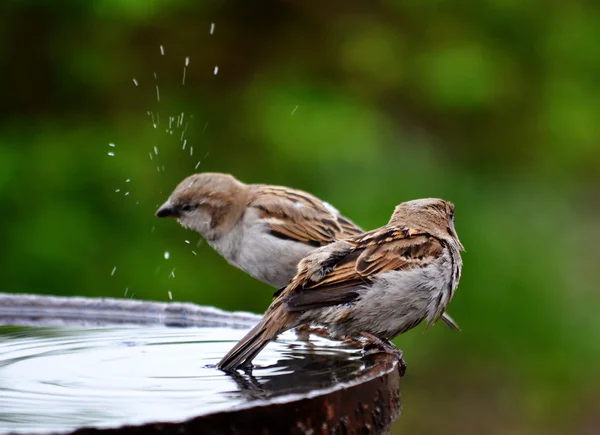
380, 283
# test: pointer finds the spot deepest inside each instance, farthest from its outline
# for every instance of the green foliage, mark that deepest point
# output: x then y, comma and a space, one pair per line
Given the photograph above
492, 105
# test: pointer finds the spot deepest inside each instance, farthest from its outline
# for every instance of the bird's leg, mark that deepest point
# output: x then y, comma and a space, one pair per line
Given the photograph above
377, 345
303, 333
382, 344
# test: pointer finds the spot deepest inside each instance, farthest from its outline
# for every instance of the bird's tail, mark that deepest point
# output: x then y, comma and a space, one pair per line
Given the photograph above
450, 322
272, 323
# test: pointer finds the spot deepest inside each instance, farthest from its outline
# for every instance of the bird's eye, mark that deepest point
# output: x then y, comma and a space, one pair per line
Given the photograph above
188, 207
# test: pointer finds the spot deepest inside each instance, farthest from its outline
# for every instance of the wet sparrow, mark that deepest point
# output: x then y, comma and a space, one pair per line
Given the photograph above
380, 283
263, 230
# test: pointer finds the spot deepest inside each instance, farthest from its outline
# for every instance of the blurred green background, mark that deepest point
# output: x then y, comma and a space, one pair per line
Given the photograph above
493, 105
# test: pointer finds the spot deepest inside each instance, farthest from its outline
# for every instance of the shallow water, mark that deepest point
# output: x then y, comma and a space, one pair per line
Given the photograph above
62, 378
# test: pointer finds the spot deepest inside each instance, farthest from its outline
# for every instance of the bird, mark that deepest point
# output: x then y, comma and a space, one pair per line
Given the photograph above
264, 230
377, 284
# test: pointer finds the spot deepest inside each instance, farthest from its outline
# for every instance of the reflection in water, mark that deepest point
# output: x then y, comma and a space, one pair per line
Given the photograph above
61, 378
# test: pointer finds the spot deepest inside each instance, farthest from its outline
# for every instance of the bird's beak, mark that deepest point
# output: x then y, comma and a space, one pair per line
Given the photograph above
167, 210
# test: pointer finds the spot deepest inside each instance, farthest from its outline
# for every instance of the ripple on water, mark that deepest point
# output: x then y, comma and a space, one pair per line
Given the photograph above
61, 378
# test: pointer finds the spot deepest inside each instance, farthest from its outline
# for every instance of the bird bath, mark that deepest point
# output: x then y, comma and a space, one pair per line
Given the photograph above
77, 365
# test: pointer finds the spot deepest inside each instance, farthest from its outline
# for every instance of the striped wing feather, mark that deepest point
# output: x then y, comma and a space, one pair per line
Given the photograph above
371, 254
298, 216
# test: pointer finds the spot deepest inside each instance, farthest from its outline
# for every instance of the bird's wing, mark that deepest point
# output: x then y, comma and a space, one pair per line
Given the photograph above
332, 274
295, 215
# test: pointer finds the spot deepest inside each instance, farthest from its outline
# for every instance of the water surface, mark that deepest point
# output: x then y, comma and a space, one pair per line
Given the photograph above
62, 378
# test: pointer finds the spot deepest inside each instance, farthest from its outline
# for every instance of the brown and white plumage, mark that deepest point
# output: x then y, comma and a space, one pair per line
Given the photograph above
383, 282
299, 216
262, 229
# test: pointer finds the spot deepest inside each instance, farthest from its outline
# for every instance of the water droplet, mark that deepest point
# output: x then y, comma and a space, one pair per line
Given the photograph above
128, 180
216, 70
170, 295
191, 151
135, 82
162, 50
193, 252
155, 150
187, 241
212, 28
126, 193
172, 274
294, 111
187, 61
157, 94
111, 145
110, 153
183, 132
184, 144
118, 190
113, 271
167, 255
197, 164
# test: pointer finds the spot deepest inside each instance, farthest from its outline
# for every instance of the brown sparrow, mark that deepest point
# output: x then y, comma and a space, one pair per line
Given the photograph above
380, 283
261, 229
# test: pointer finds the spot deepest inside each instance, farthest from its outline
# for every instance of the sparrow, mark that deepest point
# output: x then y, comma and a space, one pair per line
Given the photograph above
377, 284
261, 229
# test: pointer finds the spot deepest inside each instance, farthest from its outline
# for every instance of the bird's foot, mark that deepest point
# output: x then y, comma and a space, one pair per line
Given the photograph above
303, 333
375, 345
